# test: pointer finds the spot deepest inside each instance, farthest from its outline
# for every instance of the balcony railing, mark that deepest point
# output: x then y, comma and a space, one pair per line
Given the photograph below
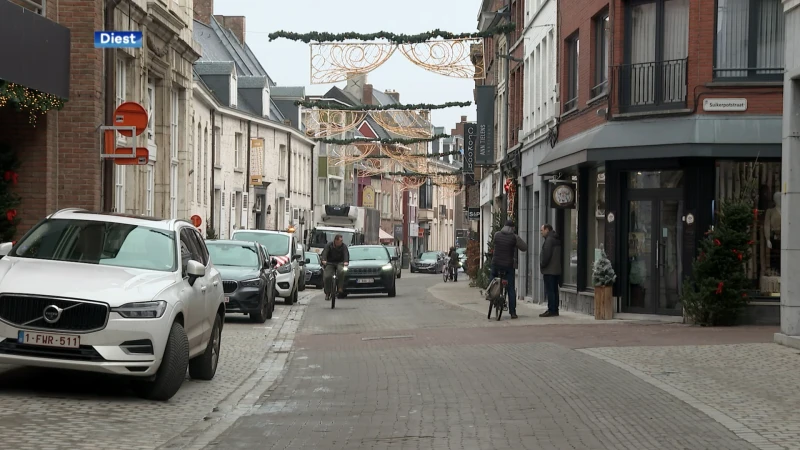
651, 86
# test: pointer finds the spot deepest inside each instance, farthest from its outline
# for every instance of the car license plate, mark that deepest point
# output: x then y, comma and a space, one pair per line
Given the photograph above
49, 340
364, 280
227, 299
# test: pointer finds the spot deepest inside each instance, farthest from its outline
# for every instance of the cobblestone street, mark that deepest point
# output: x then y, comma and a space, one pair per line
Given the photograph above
45, 409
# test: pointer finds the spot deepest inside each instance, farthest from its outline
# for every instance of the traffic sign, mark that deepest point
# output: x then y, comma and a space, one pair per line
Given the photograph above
130, 114
197, 221
140, 159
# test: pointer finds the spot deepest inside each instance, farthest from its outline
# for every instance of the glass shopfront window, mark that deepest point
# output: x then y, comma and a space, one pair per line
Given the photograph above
597, 219
764, 268
569, 243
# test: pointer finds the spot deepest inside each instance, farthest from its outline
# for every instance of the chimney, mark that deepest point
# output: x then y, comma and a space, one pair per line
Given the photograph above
355, 85
463, 119
203, 9
367, 97
394, 94
234, 23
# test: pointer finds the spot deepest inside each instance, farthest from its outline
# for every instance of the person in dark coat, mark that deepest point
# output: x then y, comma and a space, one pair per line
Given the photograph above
506, 245
550, 265
453, 263
335, 256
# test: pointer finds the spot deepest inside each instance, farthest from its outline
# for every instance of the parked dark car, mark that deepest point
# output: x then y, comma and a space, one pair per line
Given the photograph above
313, 270
371, 270
430, 262
248, 277
398, 263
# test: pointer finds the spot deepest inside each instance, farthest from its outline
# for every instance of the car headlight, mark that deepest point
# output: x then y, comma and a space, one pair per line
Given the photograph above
142, 310
286, 268
250, 283
388, 267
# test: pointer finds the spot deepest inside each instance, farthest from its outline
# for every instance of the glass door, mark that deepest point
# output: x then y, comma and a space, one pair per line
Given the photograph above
655, 269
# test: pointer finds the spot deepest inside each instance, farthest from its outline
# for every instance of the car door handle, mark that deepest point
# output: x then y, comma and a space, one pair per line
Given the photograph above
203, 289
215, 284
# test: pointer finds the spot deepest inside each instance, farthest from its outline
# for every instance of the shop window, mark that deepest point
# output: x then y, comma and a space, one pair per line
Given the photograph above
569, 242
596, 223
764, 267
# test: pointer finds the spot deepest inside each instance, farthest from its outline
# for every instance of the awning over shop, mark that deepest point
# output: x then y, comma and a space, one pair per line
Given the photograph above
35, 50
682, 137
384, 236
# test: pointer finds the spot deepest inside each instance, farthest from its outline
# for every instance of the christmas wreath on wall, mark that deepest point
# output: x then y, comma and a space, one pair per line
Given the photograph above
9, 200
33, 102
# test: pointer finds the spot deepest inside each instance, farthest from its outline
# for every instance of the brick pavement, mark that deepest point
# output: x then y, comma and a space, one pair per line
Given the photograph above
370, 375
44, 409
752, 388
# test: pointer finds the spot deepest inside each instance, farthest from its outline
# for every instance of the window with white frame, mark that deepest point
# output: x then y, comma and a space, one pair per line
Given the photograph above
217, 146
122, 87
198, 144
173, 151
119, 188
151, 112
282, 162
149, 189
322, 185
238, 151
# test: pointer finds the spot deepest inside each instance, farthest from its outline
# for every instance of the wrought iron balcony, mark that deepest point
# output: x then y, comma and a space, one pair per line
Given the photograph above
651, 86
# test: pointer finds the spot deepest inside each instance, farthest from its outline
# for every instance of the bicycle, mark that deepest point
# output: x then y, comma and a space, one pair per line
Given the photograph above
335, 287
500, 302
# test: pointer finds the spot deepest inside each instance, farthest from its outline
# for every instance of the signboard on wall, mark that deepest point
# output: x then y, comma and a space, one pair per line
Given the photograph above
398, 232
368, 197
470, 138
473, 214
562, 196
484, 145
256, 161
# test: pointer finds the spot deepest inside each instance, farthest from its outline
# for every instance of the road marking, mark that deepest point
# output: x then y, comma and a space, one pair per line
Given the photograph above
408, 336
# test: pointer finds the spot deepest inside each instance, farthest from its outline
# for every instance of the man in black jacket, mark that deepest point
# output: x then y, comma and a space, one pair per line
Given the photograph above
550, 265
506, 244
335, 256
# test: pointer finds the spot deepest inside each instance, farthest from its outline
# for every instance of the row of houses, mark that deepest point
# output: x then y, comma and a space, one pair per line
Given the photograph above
226, 143
625, 124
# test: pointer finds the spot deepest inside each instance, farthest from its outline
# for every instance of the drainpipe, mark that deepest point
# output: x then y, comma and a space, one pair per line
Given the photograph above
289, 165
507, 105
247, 178
213, 172
110, 88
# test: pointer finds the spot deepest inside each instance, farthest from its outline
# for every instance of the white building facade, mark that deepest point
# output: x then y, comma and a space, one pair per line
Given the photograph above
790, 243
158, 76
540, 110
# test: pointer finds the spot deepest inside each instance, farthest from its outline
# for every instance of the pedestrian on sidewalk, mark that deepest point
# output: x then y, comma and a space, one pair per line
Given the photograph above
550, 265
506, 244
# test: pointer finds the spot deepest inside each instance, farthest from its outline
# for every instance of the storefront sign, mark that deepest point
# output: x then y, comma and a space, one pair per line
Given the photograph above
398, 232
725, 104
486, 190
368, 197
256, 161
484, 152
563, 196
473, 214
421, 232
470, 136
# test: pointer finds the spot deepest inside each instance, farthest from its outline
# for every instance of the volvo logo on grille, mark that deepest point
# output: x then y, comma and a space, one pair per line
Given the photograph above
52, 313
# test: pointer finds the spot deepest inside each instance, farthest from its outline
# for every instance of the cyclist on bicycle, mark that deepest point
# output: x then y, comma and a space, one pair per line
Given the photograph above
453, 265
506, 244
335, 256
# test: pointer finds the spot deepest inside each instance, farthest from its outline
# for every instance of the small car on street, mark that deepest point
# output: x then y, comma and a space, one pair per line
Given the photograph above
429, 262
248, 278
398, 263
283, 247
112, 293
313, 270
371, 270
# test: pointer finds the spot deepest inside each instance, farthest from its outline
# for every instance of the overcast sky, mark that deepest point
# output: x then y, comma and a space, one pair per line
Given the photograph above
287, 62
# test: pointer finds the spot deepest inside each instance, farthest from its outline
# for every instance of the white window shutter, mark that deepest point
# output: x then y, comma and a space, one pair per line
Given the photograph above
245, 212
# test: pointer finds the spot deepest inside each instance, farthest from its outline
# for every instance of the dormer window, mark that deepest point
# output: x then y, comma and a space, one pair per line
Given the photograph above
265, 102
234, 90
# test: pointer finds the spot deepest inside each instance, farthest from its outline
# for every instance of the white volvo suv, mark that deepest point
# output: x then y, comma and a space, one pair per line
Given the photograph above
110, 293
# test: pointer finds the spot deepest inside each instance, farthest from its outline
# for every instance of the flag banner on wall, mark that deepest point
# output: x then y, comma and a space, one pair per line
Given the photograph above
484, 152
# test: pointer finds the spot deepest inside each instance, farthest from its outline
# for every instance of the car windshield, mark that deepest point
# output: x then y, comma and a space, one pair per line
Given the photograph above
313, 258
101, 243
235, 255
321, 237
429, 256
276, 244
369, 254
461, 250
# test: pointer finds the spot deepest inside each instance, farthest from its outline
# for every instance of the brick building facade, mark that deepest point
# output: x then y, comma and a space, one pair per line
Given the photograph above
664, 107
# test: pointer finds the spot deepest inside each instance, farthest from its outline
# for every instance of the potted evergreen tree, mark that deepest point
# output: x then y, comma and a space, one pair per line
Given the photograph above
603, 278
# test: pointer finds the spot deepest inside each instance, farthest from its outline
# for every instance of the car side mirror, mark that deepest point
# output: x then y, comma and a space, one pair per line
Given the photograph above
394, 258
195, 270
266, 264
296, 257
274, 262
308, 260
5, 248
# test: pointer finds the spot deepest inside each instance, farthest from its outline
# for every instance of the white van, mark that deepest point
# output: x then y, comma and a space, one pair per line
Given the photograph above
283, 248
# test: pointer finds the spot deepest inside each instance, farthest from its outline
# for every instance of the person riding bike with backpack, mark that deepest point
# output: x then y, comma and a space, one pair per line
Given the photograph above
335, 256
453, 264
506, 244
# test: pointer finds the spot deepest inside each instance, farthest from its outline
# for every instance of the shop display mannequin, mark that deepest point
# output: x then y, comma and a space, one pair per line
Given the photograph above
772, 232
